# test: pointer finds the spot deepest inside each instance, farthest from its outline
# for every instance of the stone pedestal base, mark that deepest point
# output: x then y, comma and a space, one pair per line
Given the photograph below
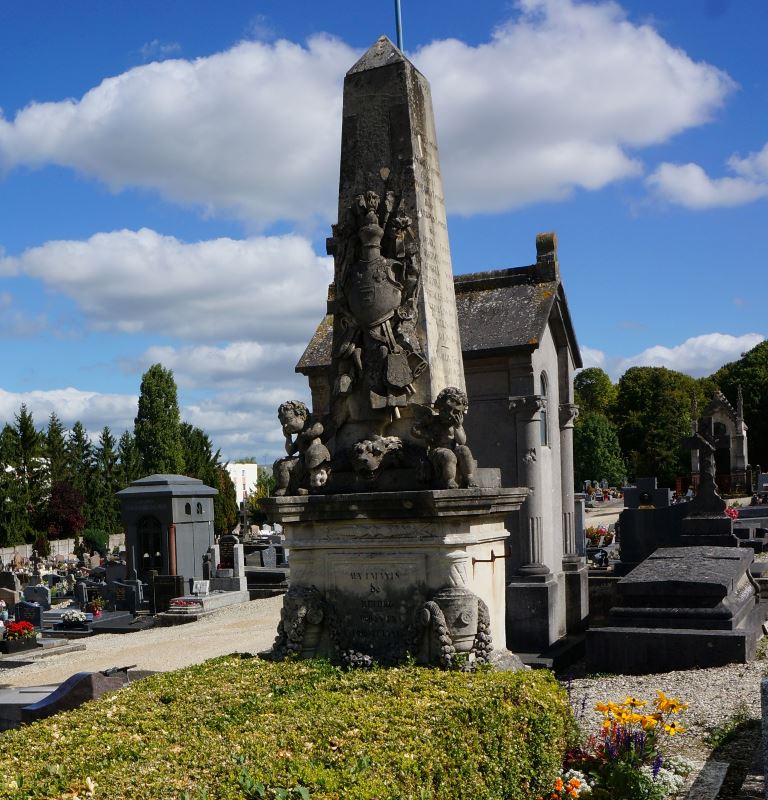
380, 576
532, 618
576, 577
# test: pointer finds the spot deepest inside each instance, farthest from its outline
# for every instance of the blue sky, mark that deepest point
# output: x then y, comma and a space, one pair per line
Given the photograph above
168, 175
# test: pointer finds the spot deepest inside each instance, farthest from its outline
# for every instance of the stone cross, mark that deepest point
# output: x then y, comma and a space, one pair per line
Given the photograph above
707, 500
36, 561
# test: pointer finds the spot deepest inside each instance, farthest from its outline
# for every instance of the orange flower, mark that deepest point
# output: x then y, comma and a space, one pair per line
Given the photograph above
558, 784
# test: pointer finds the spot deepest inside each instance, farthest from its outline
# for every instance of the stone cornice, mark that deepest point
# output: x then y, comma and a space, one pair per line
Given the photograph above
394, 505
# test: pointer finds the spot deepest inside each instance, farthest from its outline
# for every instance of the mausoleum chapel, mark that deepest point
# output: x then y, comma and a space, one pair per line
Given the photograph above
730, 431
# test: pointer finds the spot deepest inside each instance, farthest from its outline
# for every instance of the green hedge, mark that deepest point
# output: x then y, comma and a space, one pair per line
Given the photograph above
246, 728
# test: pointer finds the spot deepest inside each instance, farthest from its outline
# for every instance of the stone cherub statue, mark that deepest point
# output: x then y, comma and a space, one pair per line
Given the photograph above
446, 439
308, 464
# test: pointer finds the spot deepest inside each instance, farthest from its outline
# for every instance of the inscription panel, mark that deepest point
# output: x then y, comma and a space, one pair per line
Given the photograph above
375, 599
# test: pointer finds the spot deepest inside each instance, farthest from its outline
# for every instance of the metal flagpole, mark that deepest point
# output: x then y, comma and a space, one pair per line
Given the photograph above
399, 24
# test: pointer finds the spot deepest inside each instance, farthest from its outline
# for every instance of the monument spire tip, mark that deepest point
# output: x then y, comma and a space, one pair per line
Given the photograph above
381, 53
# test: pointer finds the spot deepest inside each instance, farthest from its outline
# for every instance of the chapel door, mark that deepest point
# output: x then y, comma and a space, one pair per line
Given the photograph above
150, 555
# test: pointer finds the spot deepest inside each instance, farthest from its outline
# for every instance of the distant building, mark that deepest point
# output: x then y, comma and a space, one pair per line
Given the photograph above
244, 476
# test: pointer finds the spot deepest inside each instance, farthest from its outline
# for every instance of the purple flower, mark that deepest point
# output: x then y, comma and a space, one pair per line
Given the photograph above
657, 762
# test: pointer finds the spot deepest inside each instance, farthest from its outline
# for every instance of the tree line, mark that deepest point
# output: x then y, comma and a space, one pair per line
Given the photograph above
634, 428
59, 483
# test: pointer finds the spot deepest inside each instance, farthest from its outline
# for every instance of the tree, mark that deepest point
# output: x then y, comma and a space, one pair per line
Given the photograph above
157, 425
202, 463
225, 507
265, 483
593, 391
596, 450
106, 507
24, 479
199, 458
14, 522
55, 448
129, 460
751, 373
66, 510
653, 413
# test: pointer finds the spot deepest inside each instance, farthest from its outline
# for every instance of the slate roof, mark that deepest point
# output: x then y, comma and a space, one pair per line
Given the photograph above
502, 309
498, 311
168, 486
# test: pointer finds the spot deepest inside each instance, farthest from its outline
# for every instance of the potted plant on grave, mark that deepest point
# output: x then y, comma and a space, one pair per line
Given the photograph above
95, 606
18, 636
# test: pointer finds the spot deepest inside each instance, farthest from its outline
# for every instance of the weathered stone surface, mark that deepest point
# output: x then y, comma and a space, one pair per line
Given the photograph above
376, 560
395, 335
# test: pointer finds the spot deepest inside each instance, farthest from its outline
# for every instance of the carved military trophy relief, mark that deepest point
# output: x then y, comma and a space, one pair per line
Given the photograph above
377, 285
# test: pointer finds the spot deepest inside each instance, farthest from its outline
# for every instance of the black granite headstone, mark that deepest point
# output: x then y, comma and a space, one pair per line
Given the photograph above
123, 597
227, 551
164, 589
29, 612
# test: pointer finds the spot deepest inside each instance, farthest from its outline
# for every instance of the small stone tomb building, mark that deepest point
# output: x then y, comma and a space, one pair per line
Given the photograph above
168, 521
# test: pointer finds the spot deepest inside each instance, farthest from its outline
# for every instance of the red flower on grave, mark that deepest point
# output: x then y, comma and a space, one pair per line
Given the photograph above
19, 630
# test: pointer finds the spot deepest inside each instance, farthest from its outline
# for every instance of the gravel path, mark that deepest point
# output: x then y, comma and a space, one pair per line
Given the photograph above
245, 627
713, 695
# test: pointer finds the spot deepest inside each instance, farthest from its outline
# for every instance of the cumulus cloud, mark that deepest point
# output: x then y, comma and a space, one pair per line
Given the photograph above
271, 289
239, 424
235, 364
554, 101
253, 131
591, 357
697, 356
689, 185
93, 409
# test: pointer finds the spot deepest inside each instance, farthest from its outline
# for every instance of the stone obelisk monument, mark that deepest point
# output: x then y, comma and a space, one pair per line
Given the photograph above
396, 547
391, 207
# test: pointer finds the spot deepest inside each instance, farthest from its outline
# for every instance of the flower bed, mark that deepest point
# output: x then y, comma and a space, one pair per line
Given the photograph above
624, 759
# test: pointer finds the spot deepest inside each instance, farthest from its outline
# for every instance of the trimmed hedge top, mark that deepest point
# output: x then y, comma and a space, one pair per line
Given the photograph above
246, 728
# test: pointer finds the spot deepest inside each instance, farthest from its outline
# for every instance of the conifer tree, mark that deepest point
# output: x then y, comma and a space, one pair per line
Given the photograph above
129, 460
55, 449
157, 425
106, 508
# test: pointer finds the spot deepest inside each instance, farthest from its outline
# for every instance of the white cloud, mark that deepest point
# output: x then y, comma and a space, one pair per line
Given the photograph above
93, 409
253, 130
157, 49
240, 424
591, 357
236, 364
555, 100
697, 356
271, 289
689, 185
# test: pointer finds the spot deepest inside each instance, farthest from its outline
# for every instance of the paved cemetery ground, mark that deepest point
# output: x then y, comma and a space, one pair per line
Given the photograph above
246, 627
